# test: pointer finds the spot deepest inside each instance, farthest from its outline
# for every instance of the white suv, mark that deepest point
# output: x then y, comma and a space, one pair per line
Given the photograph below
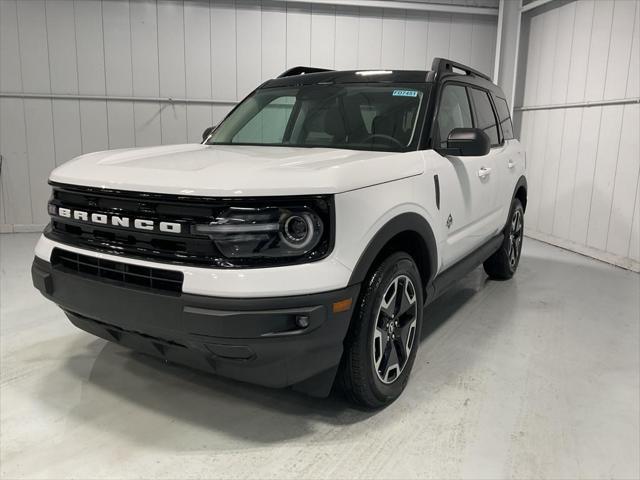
299, 243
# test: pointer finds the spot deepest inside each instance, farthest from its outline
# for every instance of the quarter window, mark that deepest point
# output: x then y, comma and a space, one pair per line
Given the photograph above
484, 115
505, 117
454, 112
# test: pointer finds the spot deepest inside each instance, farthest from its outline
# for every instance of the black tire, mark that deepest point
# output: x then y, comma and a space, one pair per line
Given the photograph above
365, 377
504, 263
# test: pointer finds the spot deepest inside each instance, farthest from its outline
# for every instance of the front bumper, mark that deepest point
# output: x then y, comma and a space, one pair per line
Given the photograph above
256, 340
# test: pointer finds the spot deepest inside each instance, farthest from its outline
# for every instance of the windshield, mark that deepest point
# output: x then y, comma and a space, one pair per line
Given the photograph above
353, 116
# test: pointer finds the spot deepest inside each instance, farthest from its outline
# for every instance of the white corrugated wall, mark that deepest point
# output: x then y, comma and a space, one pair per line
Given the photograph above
584, 161
196, 49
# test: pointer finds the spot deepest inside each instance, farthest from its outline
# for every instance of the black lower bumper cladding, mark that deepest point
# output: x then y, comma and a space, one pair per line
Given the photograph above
276, 342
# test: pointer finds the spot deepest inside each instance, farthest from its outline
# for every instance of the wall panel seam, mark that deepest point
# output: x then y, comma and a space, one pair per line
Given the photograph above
24, 114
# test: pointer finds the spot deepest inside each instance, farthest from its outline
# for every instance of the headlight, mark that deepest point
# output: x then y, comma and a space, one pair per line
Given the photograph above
269, 232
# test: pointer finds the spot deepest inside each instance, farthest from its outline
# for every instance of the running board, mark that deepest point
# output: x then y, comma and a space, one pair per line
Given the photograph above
451, 275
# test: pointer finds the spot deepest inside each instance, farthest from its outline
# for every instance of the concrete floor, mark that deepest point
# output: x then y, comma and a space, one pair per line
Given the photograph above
538, 377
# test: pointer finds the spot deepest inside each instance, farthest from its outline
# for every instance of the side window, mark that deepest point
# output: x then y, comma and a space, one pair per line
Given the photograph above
505, 117
484, 115
454, 112
269, 124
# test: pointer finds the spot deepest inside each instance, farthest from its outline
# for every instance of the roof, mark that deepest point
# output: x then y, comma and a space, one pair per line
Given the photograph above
348, 76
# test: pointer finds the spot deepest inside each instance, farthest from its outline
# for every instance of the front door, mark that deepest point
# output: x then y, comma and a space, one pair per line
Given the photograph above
468, 185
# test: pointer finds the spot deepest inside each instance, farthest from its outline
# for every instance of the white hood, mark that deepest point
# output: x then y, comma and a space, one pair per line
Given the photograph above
220, 170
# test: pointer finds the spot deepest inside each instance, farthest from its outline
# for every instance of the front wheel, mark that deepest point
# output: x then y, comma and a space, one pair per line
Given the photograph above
381, 346
503, 264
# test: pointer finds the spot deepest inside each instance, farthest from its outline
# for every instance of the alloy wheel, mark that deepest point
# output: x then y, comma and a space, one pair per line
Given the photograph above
515, 238
395, 329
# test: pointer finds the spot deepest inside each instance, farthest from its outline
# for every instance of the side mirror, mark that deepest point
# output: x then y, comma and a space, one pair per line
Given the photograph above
467, 142
207, 132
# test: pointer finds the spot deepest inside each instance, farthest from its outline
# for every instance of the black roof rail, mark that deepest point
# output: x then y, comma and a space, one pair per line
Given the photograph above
302, 70
442, 65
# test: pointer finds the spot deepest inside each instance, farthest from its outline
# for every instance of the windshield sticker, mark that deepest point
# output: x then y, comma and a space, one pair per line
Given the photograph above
405, 93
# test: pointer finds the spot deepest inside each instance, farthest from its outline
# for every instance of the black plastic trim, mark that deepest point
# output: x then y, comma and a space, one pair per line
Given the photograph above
454, 273
405, 222
257, 340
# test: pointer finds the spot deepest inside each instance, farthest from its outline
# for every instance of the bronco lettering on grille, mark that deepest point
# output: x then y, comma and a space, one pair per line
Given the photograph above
119, 221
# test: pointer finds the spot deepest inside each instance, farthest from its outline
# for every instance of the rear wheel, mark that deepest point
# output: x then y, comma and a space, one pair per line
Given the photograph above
503, 264
381, 346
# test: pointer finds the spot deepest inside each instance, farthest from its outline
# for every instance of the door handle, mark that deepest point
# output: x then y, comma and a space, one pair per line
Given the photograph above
511, 163
484, 172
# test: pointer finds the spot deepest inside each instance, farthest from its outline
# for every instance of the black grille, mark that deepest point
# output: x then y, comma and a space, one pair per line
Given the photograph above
184, 248
116, 272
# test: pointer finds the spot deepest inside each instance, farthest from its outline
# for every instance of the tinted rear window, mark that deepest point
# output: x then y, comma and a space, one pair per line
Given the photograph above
505, 117
484, 114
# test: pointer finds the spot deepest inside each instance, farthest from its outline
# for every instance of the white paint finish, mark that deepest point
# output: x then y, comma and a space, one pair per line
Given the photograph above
238, 170
61, 39
323, 36
393, 39
599, 50
223, 48
41, 155
16, 186
504, 369
317, 277
370, 39
346, 38
626, 183
298, 34
248, 38
617, 70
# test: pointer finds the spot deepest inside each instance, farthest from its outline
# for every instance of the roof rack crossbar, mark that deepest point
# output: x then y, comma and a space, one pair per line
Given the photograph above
441, 65
299, 70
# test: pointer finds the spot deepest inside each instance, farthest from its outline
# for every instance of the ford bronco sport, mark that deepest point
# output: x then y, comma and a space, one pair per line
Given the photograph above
298, 244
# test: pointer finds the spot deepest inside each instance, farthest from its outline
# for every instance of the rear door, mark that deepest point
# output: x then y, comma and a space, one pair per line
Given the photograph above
497, 159
467, 184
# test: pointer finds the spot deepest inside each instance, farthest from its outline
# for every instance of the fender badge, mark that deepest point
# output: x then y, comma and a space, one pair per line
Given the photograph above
449, 221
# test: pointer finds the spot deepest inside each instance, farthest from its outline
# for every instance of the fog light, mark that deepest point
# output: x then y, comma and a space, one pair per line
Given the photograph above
302, 321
